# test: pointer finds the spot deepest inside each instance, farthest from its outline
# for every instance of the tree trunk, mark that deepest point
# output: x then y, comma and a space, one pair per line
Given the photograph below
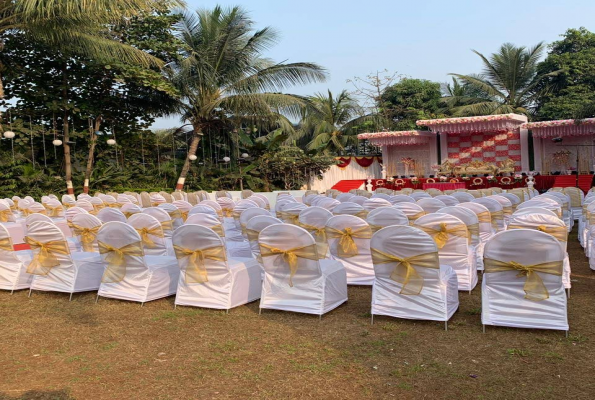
191, 152
67, 163
91, 157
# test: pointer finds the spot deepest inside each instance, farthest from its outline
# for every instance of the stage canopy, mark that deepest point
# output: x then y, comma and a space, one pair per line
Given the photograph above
397, 138
561, 128
501, 123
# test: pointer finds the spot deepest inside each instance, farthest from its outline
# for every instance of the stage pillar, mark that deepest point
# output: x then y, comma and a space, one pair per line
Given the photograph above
525, 150
443, 147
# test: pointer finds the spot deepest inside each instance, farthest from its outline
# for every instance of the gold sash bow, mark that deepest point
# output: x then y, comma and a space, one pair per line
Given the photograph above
534, 287
319, 235
6, 244
116, 268
175, 214
46, 258
196, 271
559, 232
347, 247
507, 210
114, 205
404, 272
484, 217
5, 215
227, 212
496, 216
252, 235
167, 225
293, 219
87, 235
145, 238
414, 217
129, 214
473, 231
290, 256
54, 211
218, 229
440, 235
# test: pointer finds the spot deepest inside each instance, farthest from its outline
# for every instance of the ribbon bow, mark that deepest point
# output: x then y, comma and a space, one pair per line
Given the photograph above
290, 256
404, 272
227, 212
484, 217
413, 217
45, 259
175, 214
87, 235
196, 271
293, 219
347, 247
145, 232
116, 269
441, 235
319, 234
6, 244
559, 232
534, 287
55, 211
218, 229
167, 225
5, 215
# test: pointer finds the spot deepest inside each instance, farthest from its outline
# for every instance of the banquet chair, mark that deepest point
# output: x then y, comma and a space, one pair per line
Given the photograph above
475, 193
349, 208
520, 193
259, 201
348, 238
420, 195
129, 274
208, 277
358, 200
183, 206
68, 201
448, 200
401, 198
214, 205
253, 228
84, 231
264, 199
291, 212
539, 202
170, 198
463, 197
307, 200
469, 218
201, 208
72, 211
235, 247
295, 278
374, 203
496, 212
434, 192
55, 268
506, 204
549, 224
314, 219
430, 205
202, 195
246, 193
589, 224
152, 236
380, 195
98, 204
223, 193
386, 216
85, 205
533, 210
522, 284
157, 199
6, 214
452, 238
227, 206
145, 200
237, 211
54, 209
111, 215
513, 198
576, 201
413, 211
562, 200
121, 199
166, 222
192, 198
174, 213
36, 208
486, 229
248, 214
130, 209
343, 197
410, 281
583, 221
13, 264
329, 203
109, 201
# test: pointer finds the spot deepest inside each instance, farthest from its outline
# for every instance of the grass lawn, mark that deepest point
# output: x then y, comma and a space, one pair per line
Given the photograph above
55, 349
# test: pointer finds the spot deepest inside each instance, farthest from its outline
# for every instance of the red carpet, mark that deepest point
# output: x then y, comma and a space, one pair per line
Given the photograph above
584, 182
347, 185
565, 181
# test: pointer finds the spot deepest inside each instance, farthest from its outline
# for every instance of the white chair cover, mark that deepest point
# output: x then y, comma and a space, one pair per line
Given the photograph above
343, 197
463, 197
317, 287
130, 209
85, 221
420, 195
328, 203
359, 268
174, 213
411, 210
438, 298
164, 219
401, 198
449, 200
386, 216
496, 212
250, 213
381, 196
430, 205
13, 264
291, 212
534, 210
146, 278
468, 217
502, 293
374, 203
229, 283
456, 252
349, 208
76, 272
149, 228
358, 200
257, 224
201, 208
111, 215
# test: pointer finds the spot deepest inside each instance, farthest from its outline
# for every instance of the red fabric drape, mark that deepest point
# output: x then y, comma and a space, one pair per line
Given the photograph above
364, 161
343, 162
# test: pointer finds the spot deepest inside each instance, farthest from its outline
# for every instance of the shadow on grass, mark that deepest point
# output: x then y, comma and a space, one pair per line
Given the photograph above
39, 395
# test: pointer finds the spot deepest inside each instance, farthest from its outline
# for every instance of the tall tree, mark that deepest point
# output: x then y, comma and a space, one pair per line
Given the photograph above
225, 81
573, 87
409, 100
330, 127
509, 82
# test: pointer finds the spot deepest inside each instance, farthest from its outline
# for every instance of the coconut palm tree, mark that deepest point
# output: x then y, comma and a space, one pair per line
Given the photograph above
331, 128
508, 83
225, 81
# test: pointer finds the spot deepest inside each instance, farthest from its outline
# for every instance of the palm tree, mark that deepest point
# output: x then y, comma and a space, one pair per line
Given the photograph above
331, 128
508, 84
77, 27
224, 80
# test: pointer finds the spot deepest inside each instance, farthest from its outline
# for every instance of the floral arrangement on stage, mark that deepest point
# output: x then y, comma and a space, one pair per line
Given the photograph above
435, 167
414, 180
465, 120
408, 162
561, 122
491, 178
518, 177
443, 178
561, 157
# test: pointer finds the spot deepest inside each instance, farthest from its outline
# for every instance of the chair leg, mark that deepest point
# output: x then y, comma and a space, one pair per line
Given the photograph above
483, 328
320, 318
227, 311
30, 290
11, 292
446, 325
566, 334
97, 298
175, 306
568, 292
70, 299
259, 310
142, 304
372, 323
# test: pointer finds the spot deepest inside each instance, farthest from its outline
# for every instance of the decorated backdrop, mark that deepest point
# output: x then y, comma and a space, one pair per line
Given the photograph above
488, 147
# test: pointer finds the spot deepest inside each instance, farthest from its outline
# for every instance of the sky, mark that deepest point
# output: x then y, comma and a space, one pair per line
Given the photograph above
419, 39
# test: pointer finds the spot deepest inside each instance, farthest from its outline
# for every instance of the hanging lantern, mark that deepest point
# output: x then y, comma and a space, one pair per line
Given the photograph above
226, 159
192, 157
245, 155
9, 134
57, 142
111, 142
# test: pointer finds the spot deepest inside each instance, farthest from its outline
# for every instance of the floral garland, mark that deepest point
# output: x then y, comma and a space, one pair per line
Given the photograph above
466, 120
560, 122
376, 135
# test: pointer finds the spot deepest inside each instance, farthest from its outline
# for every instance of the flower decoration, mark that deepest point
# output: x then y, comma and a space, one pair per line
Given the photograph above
408, 161
560, 158
443, 178
518, 177
414, 179
435, 167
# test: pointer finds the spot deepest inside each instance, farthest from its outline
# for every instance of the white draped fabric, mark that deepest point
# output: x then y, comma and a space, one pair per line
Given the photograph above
353, 171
